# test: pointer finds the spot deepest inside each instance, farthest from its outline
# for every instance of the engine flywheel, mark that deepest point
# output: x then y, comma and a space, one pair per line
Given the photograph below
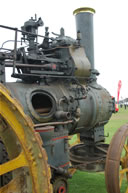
27, 159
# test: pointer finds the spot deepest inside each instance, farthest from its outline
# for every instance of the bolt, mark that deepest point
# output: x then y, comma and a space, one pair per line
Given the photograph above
33, 139
40, 155
13, 107
44, 173
34, 164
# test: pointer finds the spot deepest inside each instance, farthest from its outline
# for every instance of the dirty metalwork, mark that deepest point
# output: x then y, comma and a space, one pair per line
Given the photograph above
55, 82
28, 160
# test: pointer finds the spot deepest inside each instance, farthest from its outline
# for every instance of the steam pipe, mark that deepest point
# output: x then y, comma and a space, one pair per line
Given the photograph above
53, 123
62, 114
84, 25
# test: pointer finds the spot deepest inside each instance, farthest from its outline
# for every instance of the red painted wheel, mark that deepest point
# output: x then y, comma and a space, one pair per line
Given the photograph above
62, 189
60, 185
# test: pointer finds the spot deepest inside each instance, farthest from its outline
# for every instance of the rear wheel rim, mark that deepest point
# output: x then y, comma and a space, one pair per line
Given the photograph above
116, 171
28, 161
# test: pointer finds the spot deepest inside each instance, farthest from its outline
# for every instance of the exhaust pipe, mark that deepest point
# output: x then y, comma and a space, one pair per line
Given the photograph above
84, 25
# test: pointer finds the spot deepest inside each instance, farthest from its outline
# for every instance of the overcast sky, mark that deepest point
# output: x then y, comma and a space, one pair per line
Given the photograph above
110, 31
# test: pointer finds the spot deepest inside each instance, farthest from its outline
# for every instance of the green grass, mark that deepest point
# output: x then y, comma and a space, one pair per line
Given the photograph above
84, 182
115, 122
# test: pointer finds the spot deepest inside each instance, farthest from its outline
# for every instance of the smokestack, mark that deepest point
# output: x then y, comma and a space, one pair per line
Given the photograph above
84, 24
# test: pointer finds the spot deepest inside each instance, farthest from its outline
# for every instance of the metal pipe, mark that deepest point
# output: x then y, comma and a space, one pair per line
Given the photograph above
22, 31
84, 25
53, 123
62, 114
15, 49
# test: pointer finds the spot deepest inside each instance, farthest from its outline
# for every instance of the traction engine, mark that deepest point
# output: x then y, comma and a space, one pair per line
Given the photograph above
54, 96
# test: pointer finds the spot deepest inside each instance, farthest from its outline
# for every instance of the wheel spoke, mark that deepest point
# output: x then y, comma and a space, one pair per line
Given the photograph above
126, 148
122, 160
16, 185
9, 166
126, 190
123, 171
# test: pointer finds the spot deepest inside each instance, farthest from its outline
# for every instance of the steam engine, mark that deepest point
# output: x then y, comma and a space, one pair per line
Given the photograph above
56, 83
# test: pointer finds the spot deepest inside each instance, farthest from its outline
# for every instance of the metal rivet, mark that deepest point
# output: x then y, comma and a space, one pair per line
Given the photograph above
34, 164
40, 155
44, 173
33, 139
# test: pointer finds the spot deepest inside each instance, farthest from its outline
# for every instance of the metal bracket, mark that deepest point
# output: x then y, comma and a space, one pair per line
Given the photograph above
2, 72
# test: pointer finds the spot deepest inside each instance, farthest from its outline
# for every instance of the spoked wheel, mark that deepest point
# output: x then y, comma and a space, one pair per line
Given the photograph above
60, 185
27, 160
116, 171
6, 178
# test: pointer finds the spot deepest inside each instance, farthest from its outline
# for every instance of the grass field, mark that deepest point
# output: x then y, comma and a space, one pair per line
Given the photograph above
84, 182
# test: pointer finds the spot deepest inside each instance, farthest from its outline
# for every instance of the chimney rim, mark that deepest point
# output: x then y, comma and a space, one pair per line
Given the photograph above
84, 10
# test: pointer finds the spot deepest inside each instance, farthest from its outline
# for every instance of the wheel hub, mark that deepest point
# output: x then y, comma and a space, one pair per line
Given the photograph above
62, 189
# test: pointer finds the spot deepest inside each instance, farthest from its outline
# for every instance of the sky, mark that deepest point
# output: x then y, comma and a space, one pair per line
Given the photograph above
110, 32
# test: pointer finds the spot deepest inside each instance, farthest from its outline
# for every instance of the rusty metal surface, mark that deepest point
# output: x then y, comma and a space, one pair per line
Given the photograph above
82, 63
88, 158
115, 162
58, 90
27, 157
